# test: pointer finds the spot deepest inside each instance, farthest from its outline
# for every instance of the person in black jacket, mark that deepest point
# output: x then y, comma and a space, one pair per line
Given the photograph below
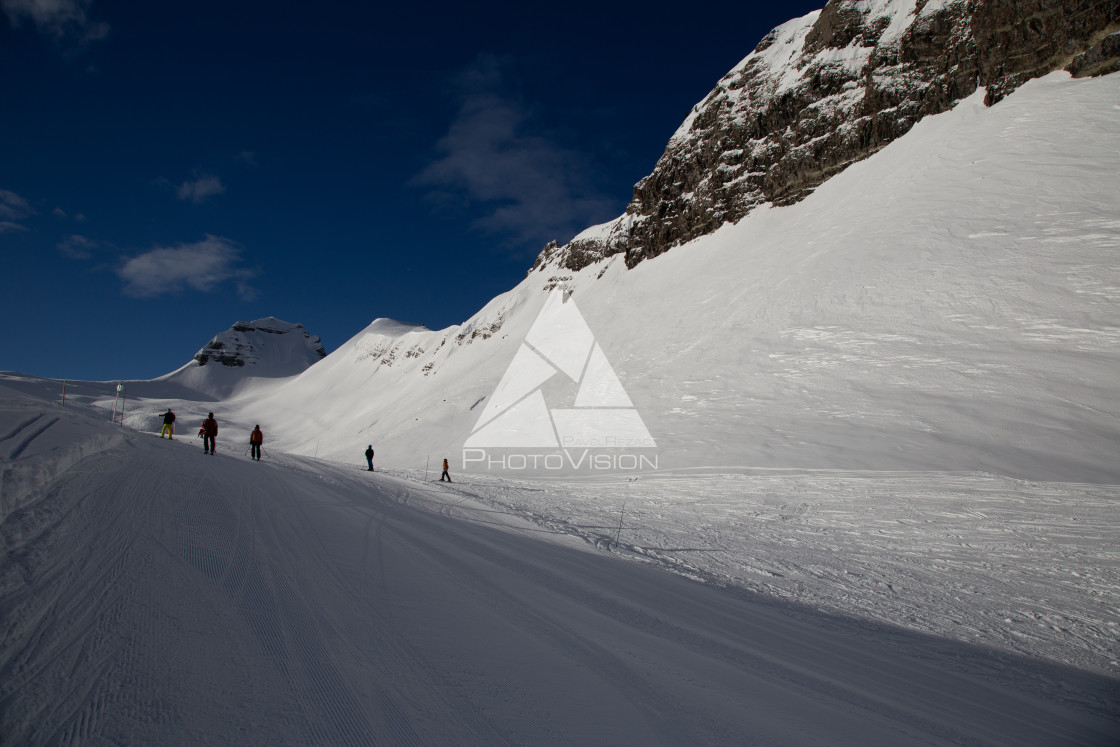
168, 428
369, 457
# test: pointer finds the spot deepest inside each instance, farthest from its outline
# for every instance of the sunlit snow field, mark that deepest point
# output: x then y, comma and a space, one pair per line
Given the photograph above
1028, 567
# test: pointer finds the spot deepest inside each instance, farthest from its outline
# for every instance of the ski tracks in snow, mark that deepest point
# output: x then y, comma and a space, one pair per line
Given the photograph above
65, 661
20, 437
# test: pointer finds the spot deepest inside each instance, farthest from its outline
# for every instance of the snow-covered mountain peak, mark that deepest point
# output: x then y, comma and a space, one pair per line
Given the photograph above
271, 346
392, 327
268, 348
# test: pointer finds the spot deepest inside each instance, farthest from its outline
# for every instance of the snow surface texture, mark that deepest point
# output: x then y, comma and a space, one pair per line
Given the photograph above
151, 594
891, 411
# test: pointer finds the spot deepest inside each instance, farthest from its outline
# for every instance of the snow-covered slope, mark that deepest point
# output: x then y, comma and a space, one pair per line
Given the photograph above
822, 92
150, 594
948, 304
265, 348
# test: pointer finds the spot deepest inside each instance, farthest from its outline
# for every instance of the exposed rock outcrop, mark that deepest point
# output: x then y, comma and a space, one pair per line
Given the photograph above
258, 343
824, 91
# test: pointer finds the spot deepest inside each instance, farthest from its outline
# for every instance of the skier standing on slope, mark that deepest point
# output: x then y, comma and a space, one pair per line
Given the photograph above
209, 432
168, 428
256, 438
445, 474
369, 457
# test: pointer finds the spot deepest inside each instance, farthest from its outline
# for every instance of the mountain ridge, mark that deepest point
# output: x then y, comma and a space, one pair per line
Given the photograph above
829, 89
268, 348
943, 305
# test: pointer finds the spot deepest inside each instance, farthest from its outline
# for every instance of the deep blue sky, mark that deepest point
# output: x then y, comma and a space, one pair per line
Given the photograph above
168, 169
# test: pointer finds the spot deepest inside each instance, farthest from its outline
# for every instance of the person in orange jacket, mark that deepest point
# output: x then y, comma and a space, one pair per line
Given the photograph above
209, 433
445, 473
256, 438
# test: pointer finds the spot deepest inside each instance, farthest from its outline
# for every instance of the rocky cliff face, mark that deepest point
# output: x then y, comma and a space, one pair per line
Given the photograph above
265, 348
281, 347
824, 91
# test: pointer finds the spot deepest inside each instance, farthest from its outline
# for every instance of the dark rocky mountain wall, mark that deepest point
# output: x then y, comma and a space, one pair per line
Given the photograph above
241, 344
821, 93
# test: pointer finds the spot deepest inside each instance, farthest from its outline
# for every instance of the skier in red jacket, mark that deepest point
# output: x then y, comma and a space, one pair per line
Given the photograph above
256, 438
209, 433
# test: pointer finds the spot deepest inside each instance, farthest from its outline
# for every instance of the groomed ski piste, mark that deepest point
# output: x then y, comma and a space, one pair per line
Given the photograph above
886, 508
157, 595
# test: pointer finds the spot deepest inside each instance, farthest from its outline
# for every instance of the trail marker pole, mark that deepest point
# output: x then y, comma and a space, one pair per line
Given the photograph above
620, 518
429, 461
64, 394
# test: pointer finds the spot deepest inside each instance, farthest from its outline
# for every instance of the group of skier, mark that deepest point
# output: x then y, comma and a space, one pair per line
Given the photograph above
209, 434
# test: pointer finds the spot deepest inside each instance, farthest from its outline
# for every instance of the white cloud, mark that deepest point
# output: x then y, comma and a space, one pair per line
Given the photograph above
77, 247
13, 207
65, 21
63, 215
201, 266
200, 189
495, 156
9, 227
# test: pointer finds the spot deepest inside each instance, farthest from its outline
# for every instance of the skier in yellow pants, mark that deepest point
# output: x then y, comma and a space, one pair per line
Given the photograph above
168, 427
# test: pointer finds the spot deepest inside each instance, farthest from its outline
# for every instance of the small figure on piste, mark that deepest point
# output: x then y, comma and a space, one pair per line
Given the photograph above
168, 428
256, 438
209, 433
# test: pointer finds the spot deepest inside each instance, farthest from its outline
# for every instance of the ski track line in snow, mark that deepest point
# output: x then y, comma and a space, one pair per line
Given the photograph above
332, 685
325, 696
19, 428
391, 646
287, 629
432, 676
